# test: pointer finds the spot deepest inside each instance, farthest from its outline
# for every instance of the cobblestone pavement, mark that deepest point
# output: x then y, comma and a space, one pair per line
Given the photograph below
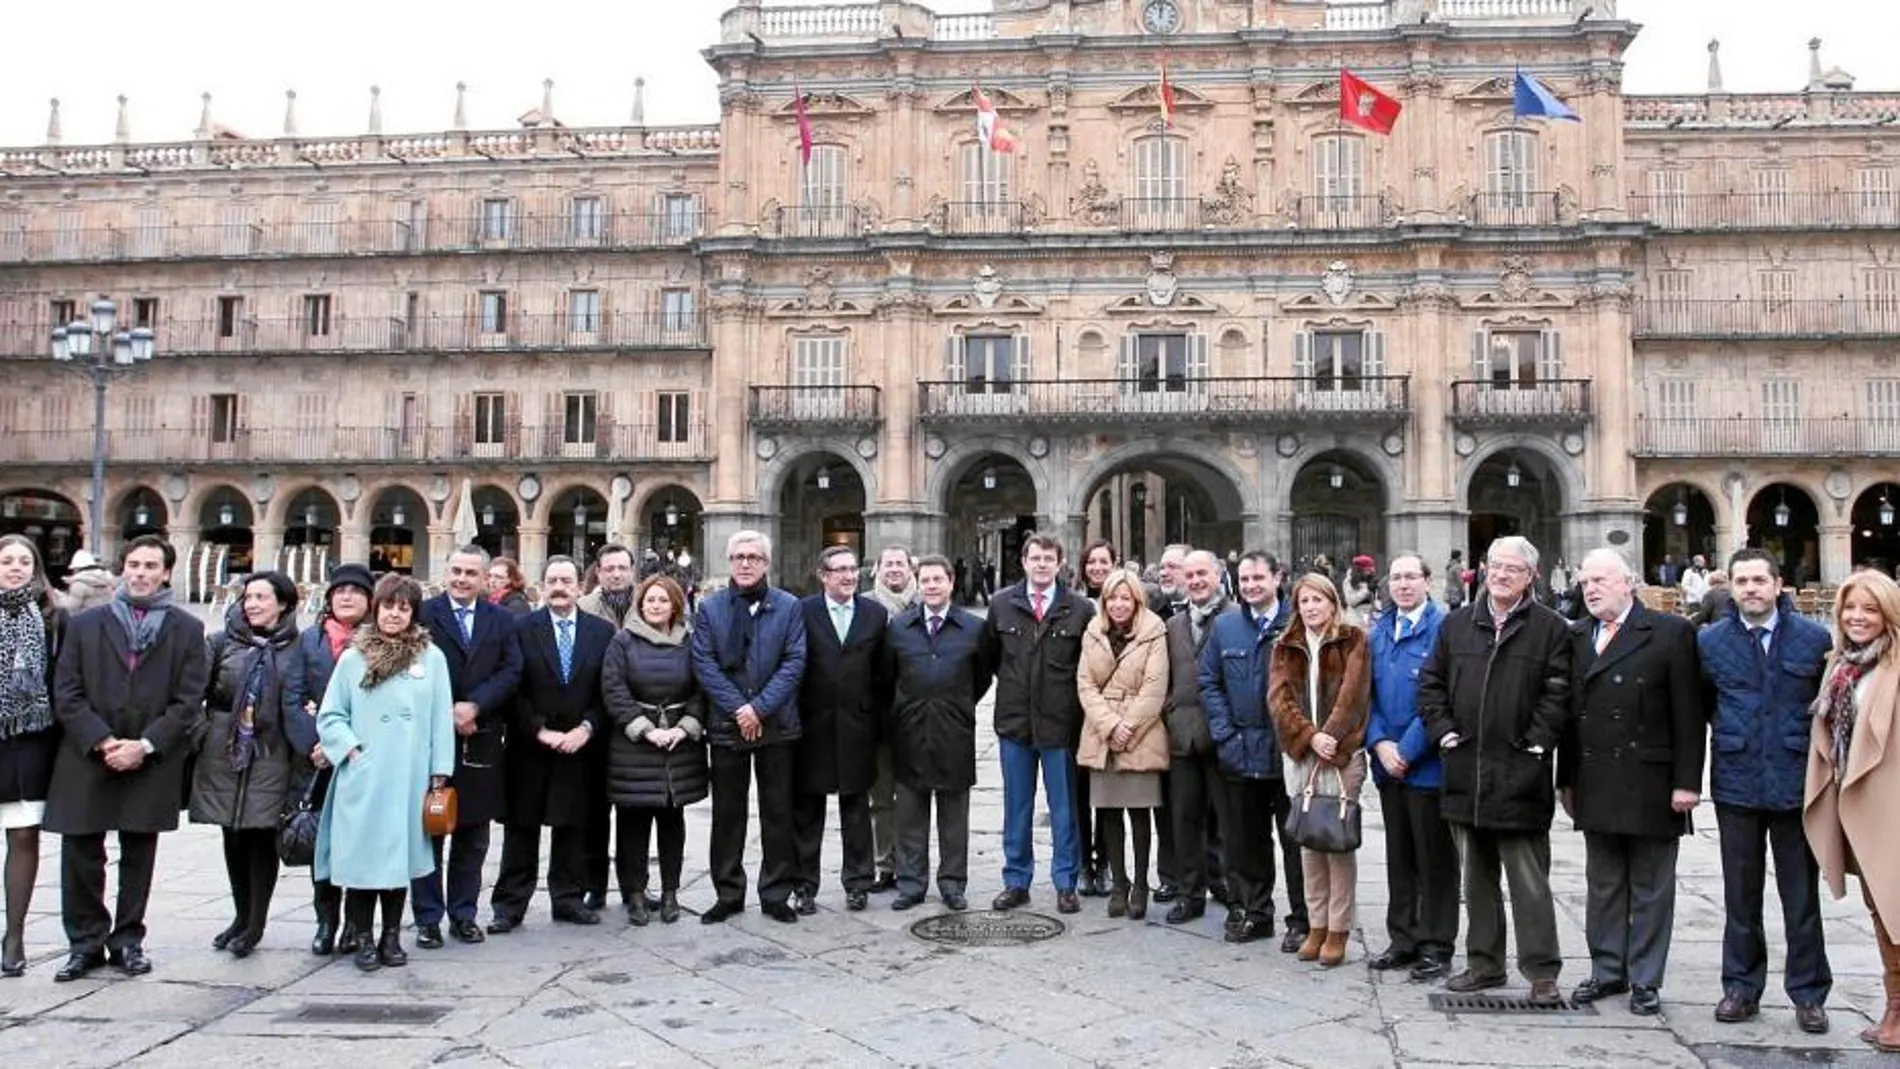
857, 989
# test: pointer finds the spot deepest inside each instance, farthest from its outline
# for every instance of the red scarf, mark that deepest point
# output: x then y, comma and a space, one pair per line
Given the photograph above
338, 634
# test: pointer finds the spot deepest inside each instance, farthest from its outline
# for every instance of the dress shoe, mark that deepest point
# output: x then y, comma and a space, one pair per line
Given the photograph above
886, 881
805, 903
855, 901
595, 900
77, 966
1138, 902
904, 902
243, 943
1545, 993
428, 937
669, 906
1118, 902
1593, 989
1217, 890
1294, 939
323, 944
1389, 959
1011, 898
576, 915
1068, 902
1185, 910
1247, 931
955, 902
1645, 1001
389, 949
1167, 892
720, 911
1735, 1008
132, 960
637, 912
1811, 1017
503, 924
1235, 918
366, 957
1428, 969
1091, 885
470, 932
1469, 982
781, 912
222, 941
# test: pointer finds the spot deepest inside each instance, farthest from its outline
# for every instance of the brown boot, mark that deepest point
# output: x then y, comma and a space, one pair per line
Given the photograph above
1885, 1034
1333, 950
1315, 938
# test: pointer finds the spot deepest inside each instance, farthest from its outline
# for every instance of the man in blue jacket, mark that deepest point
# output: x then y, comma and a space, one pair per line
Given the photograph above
1421, 861
1234, 697
1762, 666
749, 658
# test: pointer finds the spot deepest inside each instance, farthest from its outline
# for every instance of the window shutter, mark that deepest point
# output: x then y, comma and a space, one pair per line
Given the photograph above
604, 423
1375, 360
1550, 358
1019, 363
1480, 356
1197, 369
553, 420
201, 417
953, 359
243, 413
1128, 365
464, 424
1303, 356
511, 420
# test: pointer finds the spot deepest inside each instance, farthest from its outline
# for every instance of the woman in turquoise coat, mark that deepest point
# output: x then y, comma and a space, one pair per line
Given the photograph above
387, 727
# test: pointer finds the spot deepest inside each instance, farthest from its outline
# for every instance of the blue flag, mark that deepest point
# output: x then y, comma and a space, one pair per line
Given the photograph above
1534, 100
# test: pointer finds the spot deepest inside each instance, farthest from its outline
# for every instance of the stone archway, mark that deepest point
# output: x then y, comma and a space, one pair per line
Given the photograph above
1142, 501
1876, 540
399, 532
990, 507
821, 502
1517, 491
1337, 506
1678, 524
577, 522
497, 521
142, 511
227, 519
51, 520
668, 522
1784, 520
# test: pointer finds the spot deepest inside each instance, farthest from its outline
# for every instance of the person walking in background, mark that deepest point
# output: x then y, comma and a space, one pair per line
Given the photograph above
345, 607
247, 764
1319, 691
1196, 798
507, 587
1762, 662
32, 630
1421, 862
1123, 683
556, 754
1629, 772
128, 695
938, 670
89, 584
896, 590
1853, 780
656, 763
477, 639
387, 727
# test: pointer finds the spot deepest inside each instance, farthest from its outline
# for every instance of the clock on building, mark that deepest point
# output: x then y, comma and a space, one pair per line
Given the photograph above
1161, 16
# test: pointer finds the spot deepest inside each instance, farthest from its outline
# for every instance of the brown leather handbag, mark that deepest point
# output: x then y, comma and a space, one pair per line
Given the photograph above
438, 812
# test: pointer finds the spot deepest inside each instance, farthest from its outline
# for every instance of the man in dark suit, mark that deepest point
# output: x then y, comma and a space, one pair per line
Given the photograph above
127, 693
478, 639
840, 701
1629, 773
556, 763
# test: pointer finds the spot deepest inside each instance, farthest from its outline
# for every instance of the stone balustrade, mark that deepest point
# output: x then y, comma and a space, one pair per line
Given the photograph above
1774, 110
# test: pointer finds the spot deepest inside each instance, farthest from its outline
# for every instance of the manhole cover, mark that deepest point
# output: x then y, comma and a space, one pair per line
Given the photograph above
368, 1013
1446, 1003
1012, 929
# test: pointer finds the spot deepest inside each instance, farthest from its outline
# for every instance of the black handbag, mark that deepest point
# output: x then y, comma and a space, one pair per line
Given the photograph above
1322, 821
297, 825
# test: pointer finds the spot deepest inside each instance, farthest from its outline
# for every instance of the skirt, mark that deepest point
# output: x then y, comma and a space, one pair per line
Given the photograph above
1124, 790
21, 814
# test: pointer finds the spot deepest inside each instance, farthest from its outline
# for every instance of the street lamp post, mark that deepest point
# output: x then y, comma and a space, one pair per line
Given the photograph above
105, 350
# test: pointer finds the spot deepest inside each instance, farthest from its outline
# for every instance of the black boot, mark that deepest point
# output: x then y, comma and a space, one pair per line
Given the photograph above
637, 912
389, 949
328, 901
359, 909
669, 906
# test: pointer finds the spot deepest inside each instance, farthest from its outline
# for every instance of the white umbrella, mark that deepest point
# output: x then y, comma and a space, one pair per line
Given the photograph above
465, 529
616, 513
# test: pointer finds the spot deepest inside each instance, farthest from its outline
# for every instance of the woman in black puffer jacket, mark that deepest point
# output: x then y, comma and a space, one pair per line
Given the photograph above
656, 764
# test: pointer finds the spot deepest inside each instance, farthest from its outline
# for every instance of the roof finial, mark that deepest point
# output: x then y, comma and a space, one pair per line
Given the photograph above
639, 102
204, 119
547, 101
376, 111
290, 113
1715, 65
1814, 63
461, 106
52, 123
122, 130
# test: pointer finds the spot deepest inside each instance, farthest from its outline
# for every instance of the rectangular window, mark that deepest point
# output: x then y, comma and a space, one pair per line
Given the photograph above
1160, 186
408, 420
498, 219
235, 230
985, 176
1873, 195
224, 418
64, 313
313, 412
1515, 359
1338, 172
1510, 173
1771, 198
1672, 296
1880, 431
322, 228
412, 225
676, 310
67, 234
1675, 399
1161, 364
56, 412
1669, 197
989, 363
141, 413
583, 311
491, 419
148, 232
1338, 359
1774, 292
578, 421
675, 408
818, 372
145, 312
823, 209
230, 313
494, 306
1781, 399
587, 220
679, 217
316, 315
1880, 300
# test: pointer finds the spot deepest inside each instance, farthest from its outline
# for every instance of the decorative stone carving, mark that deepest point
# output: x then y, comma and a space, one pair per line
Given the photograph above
1614, 292
934, 447
937, 213
987, 287
1094, 205
1162, 283
1287, 444
1573, 444
1465, 444
870, 215
867, 448
1232, 203
1337, 282
820, 295
767, 448
529, 488
1427, 295
1038, 447
1515, 283
1393, 444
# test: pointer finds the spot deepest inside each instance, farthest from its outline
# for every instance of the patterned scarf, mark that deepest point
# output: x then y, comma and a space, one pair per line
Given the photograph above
1836, 703
260, 681
142, 618
24, 704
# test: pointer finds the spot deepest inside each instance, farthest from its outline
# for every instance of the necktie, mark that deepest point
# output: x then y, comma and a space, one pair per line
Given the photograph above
1037, 599
1761, 637
465, 616
841, 621
564, 641
1605, 635
936, 624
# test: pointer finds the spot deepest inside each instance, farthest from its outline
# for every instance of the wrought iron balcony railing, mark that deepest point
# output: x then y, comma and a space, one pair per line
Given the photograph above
837, 407
815, 221
1156, 214
1832, 210
1516, 209
1815, 319
1838, 436
1253, 401
983, 217
1551, 402
1343, 213
602, 439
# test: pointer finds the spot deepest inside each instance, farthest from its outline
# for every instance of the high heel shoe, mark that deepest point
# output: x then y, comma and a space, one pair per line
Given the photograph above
243, 943
12, 957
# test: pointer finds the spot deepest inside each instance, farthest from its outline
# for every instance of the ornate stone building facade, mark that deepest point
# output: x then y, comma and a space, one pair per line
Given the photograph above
1243, 323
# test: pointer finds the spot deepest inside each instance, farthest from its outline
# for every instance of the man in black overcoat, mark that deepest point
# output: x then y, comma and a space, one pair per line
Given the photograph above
841, 701
128, 693
557, 746
1629, 773
478, 639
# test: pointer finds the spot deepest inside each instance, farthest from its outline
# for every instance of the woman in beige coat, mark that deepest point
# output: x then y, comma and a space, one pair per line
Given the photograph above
1123, 682
1853, 784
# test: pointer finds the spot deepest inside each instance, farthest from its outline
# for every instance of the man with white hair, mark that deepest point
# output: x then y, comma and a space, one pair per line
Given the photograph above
1629, 773
1494, 695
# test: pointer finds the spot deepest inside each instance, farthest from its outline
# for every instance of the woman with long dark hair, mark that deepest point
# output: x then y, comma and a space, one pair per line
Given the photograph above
31, 628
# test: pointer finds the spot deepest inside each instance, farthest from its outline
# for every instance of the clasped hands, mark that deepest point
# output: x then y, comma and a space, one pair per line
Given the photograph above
122, 755
566, 742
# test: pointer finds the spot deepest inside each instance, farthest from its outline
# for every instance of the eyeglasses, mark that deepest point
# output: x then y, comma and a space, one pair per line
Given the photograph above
1508, 569
746, 558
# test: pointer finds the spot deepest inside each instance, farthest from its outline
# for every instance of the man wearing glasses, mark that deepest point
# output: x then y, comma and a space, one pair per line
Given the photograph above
749, 656
1494, 696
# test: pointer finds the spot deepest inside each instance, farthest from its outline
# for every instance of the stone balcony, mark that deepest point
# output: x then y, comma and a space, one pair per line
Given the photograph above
1551, 404
816, 408
1801, 437
1251, 402
1809, 320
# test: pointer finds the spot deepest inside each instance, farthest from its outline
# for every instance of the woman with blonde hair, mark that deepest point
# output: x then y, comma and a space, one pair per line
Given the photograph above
1122, 682
1853, 783
1320, 692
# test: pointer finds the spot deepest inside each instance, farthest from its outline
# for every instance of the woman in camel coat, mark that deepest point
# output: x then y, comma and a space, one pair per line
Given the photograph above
1123, 683
1320, 692
1853, 787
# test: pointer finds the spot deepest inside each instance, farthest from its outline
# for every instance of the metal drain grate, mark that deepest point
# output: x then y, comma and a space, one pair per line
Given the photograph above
1445, 1003
368, 1013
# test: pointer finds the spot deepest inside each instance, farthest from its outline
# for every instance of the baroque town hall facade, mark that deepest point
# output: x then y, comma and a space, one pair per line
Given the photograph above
1671, 327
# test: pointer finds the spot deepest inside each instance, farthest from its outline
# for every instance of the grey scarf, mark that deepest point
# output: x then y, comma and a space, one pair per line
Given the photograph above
1199, 616
24, 704
141, 631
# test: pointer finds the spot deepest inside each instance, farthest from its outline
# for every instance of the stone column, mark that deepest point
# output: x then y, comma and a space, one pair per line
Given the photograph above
183, 537
352, 537
1610, 333
266, 544
1431, 461
533, 540
441, 545
1837, 552
728, 408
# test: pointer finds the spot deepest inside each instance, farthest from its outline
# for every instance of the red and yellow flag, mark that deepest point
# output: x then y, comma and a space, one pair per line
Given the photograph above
1167, 96
989, 127
804, 123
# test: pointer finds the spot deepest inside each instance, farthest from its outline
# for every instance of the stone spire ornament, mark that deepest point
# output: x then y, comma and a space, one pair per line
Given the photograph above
52, 123
461, 106
204, 118
376, 111
1715, 66
547, 101
122, 130
639, 102
290, 113
1814, 64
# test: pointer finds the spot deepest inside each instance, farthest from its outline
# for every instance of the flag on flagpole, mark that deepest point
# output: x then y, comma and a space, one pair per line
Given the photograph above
804, 123
1534, 100
989, 127
1167, 96
1365, 107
